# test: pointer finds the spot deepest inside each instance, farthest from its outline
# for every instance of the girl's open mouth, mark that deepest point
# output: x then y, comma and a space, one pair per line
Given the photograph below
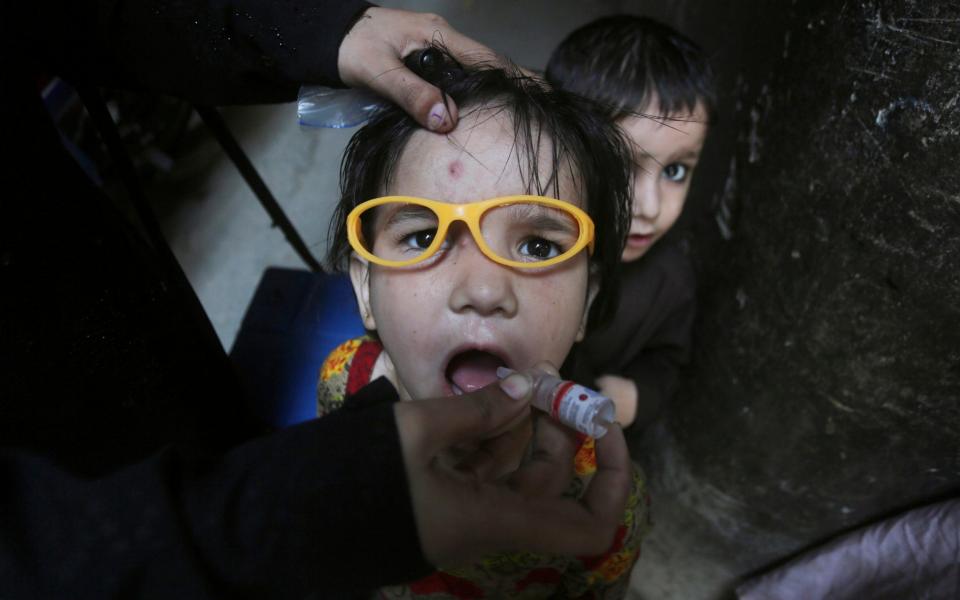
472, 370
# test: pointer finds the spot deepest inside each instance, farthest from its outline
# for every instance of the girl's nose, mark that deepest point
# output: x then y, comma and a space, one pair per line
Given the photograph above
479, 284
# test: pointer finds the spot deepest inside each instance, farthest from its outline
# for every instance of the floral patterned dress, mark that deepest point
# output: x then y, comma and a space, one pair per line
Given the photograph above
508, 575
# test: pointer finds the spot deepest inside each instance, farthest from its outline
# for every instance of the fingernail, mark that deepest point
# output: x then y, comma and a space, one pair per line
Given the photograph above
438, 114
504, 371
516, 386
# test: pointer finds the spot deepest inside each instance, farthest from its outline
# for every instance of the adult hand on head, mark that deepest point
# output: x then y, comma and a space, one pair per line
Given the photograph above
461, 515
371, 56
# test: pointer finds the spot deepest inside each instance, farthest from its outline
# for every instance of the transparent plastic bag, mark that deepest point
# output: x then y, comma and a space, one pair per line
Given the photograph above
321, 106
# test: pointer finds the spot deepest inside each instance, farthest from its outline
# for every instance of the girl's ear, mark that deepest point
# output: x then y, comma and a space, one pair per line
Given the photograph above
593, 286
360, 278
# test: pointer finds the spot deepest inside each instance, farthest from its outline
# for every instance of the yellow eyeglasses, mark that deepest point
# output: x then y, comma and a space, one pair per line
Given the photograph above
516, 231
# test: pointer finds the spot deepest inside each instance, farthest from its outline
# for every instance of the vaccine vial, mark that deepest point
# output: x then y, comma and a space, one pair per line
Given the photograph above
574, 405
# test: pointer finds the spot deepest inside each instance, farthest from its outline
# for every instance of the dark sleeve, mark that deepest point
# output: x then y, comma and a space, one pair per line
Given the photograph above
323, 506
656, 368
206, 51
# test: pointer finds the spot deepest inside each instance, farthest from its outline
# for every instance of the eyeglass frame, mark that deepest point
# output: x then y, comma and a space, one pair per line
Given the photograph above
470, 214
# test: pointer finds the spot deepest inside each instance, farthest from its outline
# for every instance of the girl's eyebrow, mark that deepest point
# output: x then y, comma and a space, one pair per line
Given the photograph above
690, 155
553, 223
548, 219
408, 213
687, 154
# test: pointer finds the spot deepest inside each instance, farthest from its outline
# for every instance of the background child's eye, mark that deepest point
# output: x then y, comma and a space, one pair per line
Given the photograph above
675, 172
539, 249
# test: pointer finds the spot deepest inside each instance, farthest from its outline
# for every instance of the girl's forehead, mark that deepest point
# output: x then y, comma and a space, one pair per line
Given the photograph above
477, 161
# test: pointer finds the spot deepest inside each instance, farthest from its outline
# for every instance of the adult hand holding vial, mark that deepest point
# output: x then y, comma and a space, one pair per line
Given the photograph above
460, 518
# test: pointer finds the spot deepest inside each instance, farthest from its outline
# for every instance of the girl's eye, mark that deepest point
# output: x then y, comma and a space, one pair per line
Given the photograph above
539, 249
675, 172
420, 240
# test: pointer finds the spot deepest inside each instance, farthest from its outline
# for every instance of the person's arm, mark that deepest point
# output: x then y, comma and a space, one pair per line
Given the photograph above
278, 517
206, 51
247, 51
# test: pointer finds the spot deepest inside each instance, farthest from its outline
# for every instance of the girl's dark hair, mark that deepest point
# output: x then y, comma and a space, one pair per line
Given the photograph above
625, 61
584, 142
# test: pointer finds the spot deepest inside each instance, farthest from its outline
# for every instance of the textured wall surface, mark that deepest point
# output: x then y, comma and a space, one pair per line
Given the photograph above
825, 391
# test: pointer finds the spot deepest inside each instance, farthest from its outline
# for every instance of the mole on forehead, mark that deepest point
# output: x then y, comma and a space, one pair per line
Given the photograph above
455, 169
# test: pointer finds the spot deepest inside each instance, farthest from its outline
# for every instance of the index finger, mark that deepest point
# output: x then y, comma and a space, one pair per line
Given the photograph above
429, 426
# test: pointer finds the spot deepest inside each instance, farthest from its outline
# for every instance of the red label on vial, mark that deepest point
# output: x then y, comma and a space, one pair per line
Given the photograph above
561, 392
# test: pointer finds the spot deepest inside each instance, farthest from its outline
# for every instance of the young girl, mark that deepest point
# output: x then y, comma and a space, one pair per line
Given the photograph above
658, 86
489, 247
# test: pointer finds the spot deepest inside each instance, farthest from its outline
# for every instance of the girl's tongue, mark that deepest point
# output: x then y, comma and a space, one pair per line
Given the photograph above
472, 370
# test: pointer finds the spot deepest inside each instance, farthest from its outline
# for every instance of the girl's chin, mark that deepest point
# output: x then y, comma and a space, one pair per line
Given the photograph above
637, 246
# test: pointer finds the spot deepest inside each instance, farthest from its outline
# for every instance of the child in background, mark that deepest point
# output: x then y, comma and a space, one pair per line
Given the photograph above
658, 86
446, 301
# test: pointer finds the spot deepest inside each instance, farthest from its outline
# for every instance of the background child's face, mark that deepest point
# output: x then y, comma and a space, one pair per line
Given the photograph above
446, 326
667, 152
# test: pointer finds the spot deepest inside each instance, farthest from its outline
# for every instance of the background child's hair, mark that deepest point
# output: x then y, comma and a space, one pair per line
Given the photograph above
583, 141
625, 62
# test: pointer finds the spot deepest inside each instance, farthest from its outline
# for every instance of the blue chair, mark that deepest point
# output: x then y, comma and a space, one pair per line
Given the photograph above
294, 320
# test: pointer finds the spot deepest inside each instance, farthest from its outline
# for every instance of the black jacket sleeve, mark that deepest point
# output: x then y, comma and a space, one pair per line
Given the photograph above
205, 51
655, 370
322, 507
648, 339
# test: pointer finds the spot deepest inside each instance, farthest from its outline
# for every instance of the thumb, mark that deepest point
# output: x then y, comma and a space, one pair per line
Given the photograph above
429, 426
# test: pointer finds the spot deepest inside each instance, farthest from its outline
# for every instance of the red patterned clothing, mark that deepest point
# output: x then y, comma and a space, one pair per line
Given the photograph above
509, 575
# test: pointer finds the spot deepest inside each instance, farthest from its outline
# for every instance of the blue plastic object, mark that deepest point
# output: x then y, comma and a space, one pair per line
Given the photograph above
293, 322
